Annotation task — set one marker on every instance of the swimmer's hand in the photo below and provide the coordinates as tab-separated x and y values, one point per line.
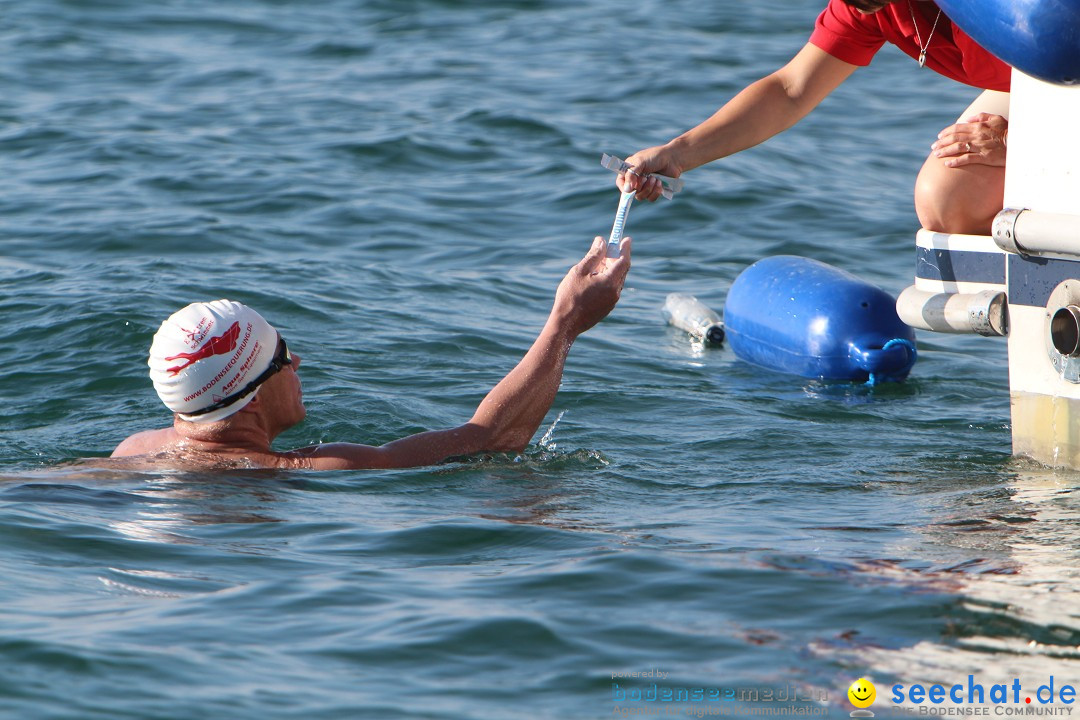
979	141
660	159
591	288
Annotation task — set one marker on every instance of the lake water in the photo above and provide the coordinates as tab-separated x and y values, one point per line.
398	186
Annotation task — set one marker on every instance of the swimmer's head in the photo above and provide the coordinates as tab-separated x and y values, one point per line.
205	356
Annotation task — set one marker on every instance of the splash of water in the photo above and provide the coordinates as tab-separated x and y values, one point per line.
545	442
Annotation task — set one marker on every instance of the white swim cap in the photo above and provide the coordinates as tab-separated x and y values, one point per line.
207	352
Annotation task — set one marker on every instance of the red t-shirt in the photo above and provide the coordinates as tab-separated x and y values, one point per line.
846	34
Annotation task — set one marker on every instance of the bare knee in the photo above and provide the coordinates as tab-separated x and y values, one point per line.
959	200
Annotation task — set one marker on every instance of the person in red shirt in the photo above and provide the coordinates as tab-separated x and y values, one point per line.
961	185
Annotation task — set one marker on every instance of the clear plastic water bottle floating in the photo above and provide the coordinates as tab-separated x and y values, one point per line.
688	313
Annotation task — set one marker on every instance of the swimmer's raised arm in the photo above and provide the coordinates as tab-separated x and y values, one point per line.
508	417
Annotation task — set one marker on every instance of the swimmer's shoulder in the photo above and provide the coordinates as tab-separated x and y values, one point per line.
147	441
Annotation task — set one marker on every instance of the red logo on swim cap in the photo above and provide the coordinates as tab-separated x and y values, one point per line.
223	343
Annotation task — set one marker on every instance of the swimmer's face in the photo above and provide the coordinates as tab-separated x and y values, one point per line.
862	693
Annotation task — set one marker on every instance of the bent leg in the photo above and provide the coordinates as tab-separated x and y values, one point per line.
963	199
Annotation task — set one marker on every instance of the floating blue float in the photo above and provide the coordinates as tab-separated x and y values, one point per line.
801	316
1038	37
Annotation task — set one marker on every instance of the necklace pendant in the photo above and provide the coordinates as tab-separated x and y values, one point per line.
922	59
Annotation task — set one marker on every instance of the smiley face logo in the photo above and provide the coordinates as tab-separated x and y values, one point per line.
862	693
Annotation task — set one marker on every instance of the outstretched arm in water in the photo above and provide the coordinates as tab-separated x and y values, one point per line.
509	415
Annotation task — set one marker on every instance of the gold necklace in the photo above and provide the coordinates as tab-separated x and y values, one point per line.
918	36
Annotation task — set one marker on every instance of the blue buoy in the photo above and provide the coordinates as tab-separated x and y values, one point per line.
1037	37
801	316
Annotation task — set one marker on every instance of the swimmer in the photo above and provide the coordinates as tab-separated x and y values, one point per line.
231	381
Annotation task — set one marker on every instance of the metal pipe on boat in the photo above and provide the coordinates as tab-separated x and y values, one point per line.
1065	330
985	313
1029	232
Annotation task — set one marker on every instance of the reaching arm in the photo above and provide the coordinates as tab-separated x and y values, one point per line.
509	415
765	108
